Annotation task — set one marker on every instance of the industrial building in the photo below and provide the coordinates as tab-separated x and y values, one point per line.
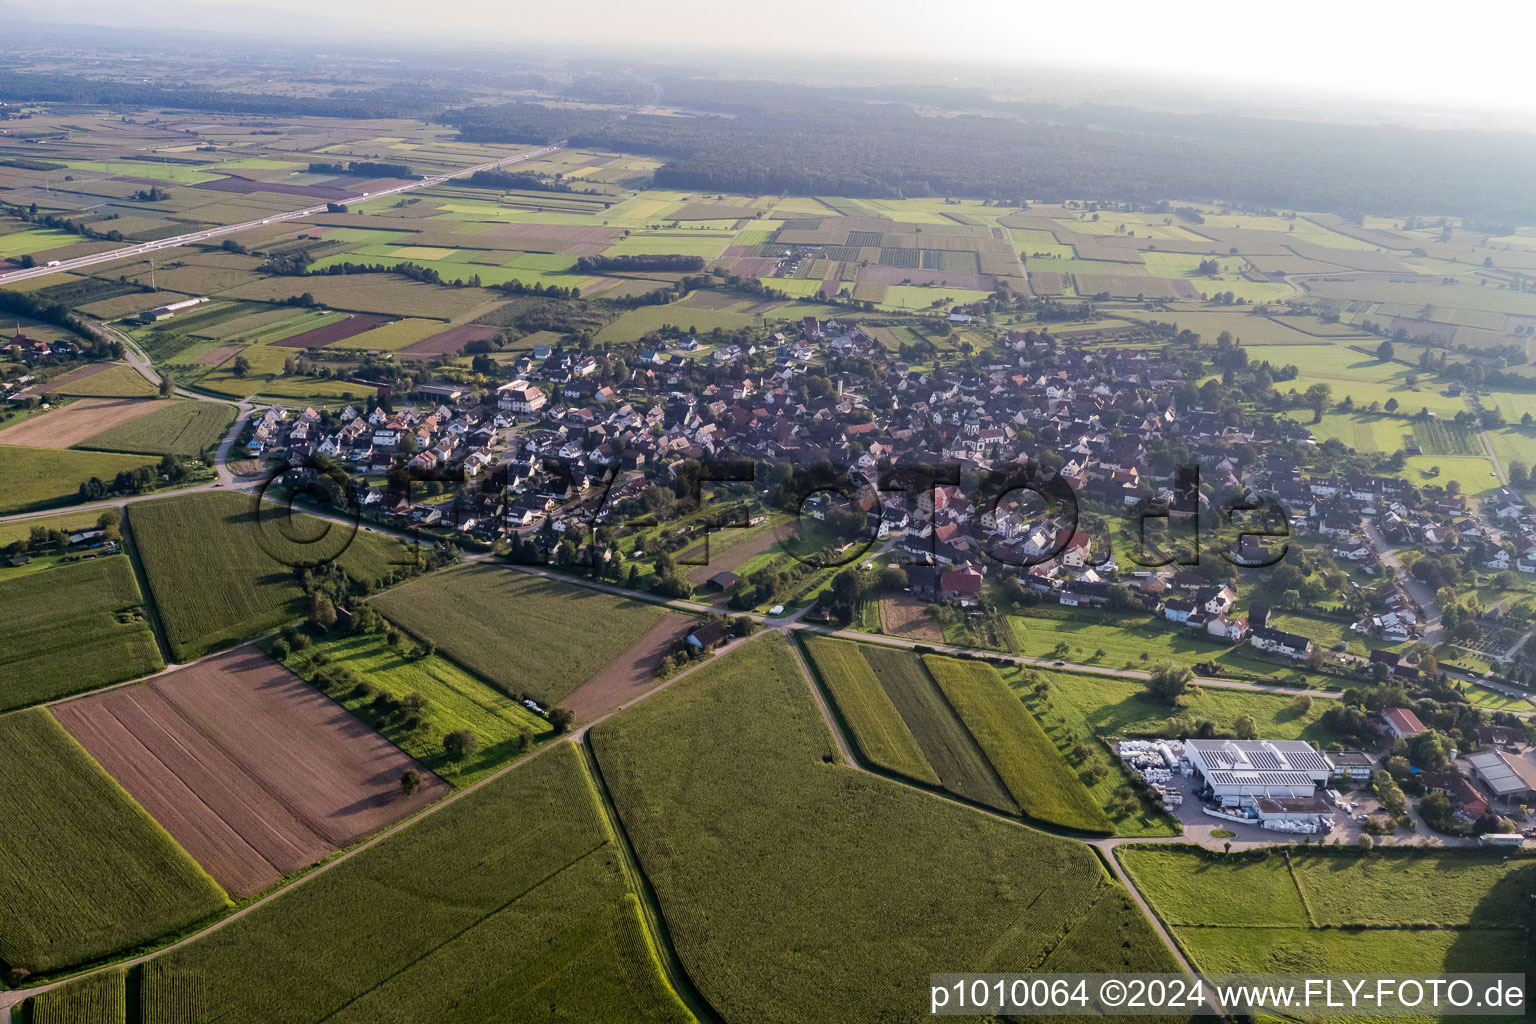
1271	776
1355	765
1507	776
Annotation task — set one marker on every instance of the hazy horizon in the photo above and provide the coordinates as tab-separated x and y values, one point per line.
1365	50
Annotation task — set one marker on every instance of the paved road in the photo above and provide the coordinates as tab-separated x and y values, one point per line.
1434	632
207	234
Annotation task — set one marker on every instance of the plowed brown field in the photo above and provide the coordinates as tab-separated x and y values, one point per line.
253	772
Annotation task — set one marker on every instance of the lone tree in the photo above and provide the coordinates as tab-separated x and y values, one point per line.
321	611
561	718
410	781
1384	351
459	744
1170	681
242	366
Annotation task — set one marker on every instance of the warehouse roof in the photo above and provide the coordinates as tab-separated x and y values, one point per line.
1506	775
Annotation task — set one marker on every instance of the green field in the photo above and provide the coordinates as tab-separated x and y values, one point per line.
72	628
180	428
65	522
1363	378
34	240
455	700
524	634
1038	779
637	323
113	382
955	755
220	574
510	905
84	872
1093	705
39	478
99	999
766	850
877	728
1119	641
1393	911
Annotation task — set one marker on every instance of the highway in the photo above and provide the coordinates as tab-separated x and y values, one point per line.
145	248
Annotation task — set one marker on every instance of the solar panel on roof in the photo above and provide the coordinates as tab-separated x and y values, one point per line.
1307	760
1263	759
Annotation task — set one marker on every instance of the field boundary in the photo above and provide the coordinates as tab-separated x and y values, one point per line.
657	934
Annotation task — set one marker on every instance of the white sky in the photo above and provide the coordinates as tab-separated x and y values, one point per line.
1472	52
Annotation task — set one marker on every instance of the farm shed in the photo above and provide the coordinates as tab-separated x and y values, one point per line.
1402	723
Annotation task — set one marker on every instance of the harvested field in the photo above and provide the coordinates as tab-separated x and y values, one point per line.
905	615
73	423
84	872
237	184
331	333
216	355
255	773
630	674
449	341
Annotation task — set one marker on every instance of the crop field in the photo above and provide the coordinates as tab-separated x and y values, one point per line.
72	424
524	634
39	478
877	727
112	878
71	628
369	293
99	999
1040	781
455	700
774	862
1437	438
112	382
331	333
181	428
255	773
961	765
1341	909
459	919
639	322
221	573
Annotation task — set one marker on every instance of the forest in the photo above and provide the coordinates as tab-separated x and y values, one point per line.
795	139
